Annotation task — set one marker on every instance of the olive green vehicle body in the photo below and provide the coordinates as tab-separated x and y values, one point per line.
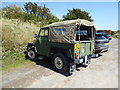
71	40
47	48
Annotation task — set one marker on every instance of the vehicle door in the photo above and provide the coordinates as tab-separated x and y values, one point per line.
43	43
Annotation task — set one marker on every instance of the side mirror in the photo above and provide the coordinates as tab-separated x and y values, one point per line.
35	35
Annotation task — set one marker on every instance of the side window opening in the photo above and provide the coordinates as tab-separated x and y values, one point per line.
44	32
60	31
84	32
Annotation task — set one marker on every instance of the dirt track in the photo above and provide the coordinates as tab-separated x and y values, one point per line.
101	73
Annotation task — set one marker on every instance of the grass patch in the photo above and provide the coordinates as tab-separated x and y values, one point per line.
13	59
116	36
15	36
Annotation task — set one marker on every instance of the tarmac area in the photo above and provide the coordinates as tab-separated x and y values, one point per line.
101	73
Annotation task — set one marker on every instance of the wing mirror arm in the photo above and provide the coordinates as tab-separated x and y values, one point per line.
35	35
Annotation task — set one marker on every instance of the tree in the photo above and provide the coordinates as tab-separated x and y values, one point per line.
39	11
34	8
28	7
77	13
30	13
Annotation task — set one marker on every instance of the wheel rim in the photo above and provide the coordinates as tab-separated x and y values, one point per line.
31	54
58	63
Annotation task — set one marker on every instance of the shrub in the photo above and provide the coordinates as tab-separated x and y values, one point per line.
16	34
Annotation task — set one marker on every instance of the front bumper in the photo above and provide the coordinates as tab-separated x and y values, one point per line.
97	50
101	49
104	50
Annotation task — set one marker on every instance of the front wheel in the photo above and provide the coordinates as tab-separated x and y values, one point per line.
60	63
31	54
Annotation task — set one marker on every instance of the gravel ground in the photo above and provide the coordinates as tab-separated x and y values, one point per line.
101	73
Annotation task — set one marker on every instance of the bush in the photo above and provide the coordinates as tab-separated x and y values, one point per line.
16	34
116	34
35	13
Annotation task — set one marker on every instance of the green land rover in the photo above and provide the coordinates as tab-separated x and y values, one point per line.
68	43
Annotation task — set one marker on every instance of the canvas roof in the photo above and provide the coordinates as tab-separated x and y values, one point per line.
69	22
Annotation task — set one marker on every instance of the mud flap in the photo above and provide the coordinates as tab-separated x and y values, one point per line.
86	60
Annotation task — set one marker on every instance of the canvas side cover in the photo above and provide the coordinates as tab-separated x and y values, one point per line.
62	34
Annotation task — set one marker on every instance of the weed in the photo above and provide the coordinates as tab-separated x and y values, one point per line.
13	59
15	36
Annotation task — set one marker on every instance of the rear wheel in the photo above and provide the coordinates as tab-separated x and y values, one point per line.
60	63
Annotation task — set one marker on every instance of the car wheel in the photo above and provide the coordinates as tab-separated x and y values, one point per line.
84	65
96	55
60	63
31	54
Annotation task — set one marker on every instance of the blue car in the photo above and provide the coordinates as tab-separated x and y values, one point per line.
108	36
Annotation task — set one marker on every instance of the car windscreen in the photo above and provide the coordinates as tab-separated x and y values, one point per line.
99	34
100	37
109	35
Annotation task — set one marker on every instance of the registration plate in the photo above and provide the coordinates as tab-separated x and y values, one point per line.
76	47
105	43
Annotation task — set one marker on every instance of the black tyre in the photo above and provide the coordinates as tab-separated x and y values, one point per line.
60	63
85	66
31	54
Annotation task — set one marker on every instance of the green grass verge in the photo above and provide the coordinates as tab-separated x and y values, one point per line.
116	36
13	59
15	36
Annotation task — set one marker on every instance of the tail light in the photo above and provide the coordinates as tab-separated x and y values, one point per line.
76	55
93	50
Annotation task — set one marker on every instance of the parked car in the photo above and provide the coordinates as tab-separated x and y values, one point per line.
109	32
108	36
62	42
101	44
